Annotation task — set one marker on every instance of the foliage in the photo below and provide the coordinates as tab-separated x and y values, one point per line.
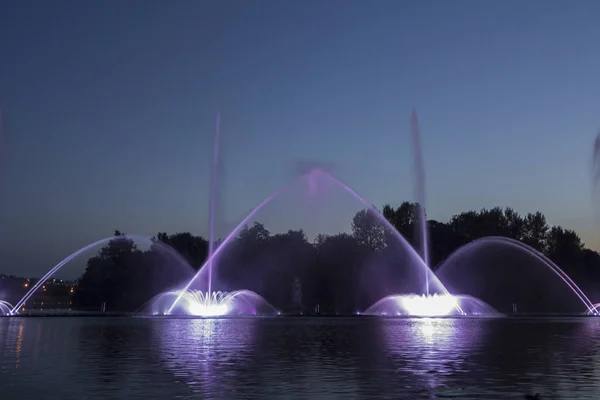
334	269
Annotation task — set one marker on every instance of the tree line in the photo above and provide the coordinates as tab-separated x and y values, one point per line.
341	273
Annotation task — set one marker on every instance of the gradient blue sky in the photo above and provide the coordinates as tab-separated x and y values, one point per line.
109	109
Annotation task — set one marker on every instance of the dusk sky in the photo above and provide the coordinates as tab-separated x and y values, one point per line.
109	110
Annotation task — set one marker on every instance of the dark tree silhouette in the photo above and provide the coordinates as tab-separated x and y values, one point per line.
335	270
368	230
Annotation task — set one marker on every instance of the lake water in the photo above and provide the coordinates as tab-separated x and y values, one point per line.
151	358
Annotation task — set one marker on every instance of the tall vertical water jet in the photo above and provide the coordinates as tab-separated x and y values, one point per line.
213	191
422	232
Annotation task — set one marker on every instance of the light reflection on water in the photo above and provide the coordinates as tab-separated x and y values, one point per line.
97	358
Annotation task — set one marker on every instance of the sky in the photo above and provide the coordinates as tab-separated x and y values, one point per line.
109	109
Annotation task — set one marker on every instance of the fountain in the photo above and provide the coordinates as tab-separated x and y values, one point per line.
214	303
501	278
217	304
427	304
431	298
5	308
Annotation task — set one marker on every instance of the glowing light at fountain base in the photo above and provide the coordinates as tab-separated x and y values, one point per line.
595	310
210	305
205	305
5	308
436	305
429	306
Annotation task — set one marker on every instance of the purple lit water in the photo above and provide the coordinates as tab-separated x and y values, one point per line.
257	358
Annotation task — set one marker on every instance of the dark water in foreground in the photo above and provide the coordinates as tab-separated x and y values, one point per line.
129	358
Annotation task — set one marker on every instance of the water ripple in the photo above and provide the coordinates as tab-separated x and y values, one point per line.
253	358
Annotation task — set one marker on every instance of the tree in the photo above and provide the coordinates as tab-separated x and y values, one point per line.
194	249
340	272
467	224
515	224
535	231
256	233
368	231
563	246
110	276
403	218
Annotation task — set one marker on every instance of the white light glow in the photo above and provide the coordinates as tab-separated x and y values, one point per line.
437	305
207	310
204	304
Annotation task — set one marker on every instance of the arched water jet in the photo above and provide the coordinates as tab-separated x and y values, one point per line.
440	304
526	250
144	239
5	308
414	255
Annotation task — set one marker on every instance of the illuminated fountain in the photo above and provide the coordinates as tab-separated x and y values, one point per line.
5	308
443	302
430	303
434	305
198	303
427	297
213	303
209	303
454	271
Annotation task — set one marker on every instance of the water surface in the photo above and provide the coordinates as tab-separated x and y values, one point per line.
152	358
